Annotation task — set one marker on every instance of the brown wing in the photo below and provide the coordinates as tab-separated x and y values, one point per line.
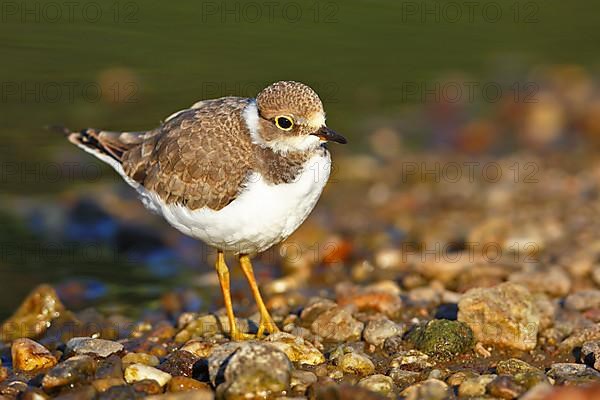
200	157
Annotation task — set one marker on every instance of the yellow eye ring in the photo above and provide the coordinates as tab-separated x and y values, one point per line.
284	122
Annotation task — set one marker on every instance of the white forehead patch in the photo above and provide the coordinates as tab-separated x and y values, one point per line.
316	120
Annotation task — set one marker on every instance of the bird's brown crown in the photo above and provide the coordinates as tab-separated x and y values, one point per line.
289	97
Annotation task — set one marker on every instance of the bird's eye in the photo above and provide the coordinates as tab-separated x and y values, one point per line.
284	123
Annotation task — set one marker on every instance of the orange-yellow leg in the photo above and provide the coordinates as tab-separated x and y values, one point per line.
266	322
223	273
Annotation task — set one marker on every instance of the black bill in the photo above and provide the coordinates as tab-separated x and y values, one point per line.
330	135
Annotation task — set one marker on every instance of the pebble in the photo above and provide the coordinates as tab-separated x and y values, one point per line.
403	378
411	359
583	300
111	367
34	316
140	358
179	363
205	394
475	386
504	315
378	330
301	380
147	386
571	372
504	387
29	356
296	348
69	372
378	383
555	282
338	325
381	298
139	372
185	384
249	369
356	363
429	389
590	353
92	346
198	348
442	338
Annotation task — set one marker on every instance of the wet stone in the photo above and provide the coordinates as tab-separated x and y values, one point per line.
12	389
140	372
394	345
331	391
249	368
111	367
442	339
475	385
74	370
205	394
574	373
430	389
86	392
523	373
590	353
504	387
296	348
337	324
403	378
124	392
185	384
504	315
147	386
92	346
379	298
301	380
198	348
103	384
378	383
179	363
34	315
411	359
583	300
378	330
356	363
29	356
140	358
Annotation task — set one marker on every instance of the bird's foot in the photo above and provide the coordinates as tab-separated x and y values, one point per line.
238	336
266	325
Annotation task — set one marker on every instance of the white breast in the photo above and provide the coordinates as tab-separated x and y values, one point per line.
262	215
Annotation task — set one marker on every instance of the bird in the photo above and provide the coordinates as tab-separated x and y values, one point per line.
240	174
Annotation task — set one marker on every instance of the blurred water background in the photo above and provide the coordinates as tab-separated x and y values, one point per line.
466	79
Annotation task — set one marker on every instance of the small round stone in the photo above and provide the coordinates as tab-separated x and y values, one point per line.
356	363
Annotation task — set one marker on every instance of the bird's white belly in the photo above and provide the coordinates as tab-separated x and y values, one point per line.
263	215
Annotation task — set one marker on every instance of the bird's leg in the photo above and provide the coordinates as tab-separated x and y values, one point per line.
223	273
266	322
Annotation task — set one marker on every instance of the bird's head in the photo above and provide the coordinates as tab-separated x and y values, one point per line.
289	117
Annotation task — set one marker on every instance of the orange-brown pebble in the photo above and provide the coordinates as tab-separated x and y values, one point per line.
102	385
28	355
148	386
185	384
